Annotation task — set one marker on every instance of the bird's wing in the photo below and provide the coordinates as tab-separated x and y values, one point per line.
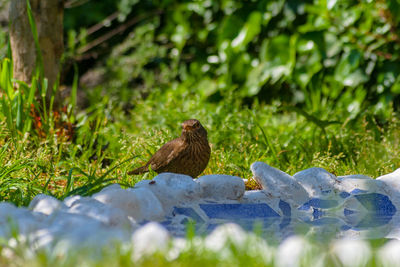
166	154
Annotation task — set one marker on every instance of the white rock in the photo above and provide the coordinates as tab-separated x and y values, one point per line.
261	196
111	187
352	252
171	189
139	203
63	220
221	187
7	209
223	235
361	183
95	209
317	181
389	255
354	176
279	184
20	219
74	232
392	180
256	196
148	239
69	201
291	251
45	204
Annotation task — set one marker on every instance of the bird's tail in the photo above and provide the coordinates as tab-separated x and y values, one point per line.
139	170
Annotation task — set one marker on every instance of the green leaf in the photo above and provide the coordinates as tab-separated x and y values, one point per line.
7	112
348	72
19	117
124	8
74	91
308	62
249	31
278	57
330	4
229	28
396	86
182	29
5	79
32	91
207	87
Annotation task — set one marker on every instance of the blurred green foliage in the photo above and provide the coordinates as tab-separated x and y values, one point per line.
329	57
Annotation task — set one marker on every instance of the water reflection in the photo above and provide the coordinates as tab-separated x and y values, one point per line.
364	215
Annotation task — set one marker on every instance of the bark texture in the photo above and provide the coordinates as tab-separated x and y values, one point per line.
48	16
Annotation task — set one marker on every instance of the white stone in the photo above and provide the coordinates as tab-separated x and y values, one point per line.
255	196
392	180
75	231
221	187
20	219
317	181
391	186
354	176
138	203
389	255
351	252
69	201
261	196
95	209
171	189
7	209
393	227
148	239
63	220
360	182
279	184
80	223
111	187
45	204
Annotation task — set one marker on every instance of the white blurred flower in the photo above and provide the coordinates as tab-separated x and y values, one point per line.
389	254
149	239
352	252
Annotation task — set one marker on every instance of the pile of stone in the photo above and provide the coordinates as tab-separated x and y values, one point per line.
354	205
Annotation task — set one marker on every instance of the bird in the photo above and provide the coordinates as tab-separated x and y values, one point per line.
188	154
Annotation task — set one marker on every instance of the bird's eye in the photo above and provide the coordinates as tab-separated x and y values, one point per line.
197	124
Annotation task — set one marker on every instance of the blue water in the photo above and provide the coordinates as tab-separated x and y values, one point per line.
323	218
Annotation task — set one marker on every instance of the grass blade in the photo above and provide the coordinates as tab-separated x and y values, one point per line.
74	92
116	166
7	112
19	117
266	137
5	79
39	57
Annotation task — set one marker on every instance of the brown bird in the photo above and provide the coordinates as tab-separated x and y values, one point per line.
188	154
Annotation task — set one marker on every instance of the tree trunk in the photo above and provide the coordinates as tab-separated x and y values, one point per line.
48	15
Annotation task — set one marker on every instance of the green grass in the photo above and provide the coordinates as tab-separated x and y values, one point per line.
107	143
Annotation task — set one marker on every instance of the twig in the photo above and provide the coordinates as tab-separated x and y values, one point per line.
115	31
75	3
102	24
